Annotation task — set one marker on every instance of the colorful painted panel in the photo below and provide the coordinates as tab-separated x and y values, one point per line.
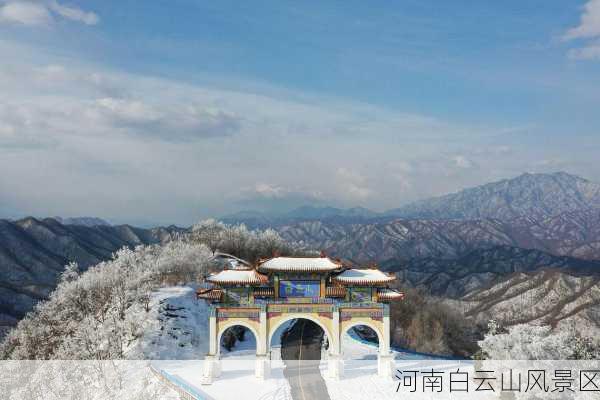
238	295
297	288
360	295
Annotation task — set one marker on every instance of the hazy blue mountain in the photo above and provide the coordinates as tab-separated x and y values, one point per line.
310	212
529	195
257	219
84	221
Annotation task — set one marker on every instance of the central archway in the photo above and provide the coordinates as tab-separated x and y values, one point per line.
280	325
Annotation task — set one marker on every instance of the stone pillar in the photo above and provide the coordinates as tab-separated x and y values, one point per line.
262	341
212	329
384	347
335	346
335	363
385	366
263	365
335	367
211	369
262	369
385	359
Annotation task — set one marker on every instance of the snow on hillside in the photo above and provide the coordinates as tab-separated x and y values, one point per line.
545	297
176	327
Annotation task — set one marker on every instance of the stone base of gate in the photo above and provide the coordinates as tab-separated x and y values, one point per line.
211	369
335	367
385	365
263	367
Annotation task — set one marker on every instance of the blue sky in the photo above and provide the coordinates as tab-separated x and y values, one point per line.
179	110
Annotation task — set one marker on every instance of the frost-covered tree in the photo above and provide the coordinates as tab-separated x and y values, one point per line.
96	315
70	273
237	240
99	313
531	342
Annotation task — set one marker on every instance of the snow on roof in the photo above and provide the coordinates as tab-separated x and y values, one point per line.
209	294
304	264
389	294
236	276
363	276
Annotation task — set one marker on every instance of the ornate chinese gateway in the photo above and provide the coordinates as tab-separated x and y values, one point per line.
275	291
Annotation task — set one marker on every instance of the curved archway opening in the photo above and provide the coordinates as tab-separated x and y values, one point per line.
237	341
298	339
360	342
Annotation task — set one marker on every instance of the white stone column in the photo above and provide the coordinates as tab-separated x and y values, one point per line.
262	368
385	359
385	366
210	370
213	339
335	345
262	342
384	347
335	363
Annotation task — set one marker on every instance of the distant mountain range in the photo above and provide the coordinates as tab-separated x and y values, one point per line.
451	245
34	252
535	196
261	220
84	221
575	234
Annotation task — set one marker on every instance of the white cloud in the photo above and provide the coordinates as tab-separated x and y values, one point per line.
462	162
171	122
127	111
42	13
353	183
26	13
589	52
589	26
270	190
74	13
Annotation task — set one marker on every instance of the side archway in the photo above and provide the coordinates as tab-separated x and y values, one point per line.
346	331
225	326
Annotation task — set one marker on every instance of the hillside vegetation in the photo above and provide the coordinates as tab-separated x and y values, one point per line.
100	313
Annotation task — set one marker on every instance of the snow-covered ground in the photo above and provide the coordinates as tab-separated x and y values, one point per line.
176	337
175	329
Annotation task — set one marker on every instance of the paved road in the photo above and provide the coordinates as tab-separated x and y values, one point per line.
301	353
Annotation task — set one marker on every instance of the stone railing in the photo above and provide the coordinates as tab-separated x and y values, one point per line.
184	390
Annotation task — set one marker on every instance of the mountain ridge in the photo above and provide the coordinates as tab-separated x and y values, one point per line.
534	195
33	253
539	195
575	234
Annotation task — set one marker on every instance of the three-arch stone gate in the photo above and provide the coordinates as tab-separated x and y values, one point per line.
263	320
320	289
